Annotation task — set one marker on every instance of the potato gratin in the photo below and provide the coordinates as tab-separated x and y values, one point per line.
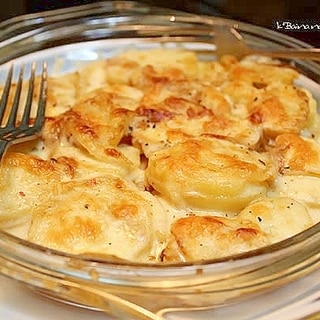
155	156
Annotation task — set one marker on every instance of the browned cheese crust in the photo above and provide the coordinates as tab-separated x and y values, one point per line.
156	156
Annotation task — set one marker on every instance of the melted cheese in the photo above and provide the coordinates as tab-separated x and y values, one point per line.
26	180
297	155
263	222
155	156
209	237
209	173
101	215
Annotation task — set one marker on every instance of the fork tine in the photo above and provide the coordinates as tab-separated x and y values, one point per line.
42	97
229	42
15	131
15	105
28	104
5	94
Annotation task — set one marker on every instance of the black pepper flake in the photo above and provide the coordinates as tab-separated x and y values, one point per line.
86	206
259	219
261	161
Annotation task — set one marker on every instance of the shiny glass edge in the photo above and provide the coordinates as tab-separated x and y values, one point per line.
246	273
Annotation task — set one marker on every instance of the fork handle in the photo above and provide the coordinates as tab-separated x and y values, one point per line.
3	147
309	54
104	301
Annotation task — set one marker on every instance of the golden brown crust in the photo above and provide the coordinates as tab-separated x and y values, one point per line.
297	155
26	181
207	237
285	109
101	215
154	155
280	218
95	120
209	173
259	224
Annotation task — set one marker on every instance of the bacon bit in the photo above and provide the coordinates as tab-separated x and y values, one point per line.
22	194
155	115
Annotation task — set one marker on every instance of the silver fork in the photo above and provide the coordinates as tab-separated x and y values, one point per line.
14	129
229	41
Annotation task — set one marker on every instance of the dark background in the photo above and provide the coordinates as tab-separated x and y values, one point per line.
263	13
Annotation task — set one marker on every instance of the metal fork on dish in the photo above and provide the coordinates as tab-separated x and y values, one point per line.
14	128
229	41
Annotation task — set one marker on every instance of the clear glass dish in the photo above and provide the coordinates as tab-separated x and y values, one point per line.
100	30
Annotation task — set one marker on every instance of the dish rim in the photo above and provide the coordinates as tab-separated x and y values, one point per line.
42	254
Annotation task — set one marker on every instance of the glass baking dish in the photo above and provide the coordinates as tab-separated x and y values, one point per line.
82	34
